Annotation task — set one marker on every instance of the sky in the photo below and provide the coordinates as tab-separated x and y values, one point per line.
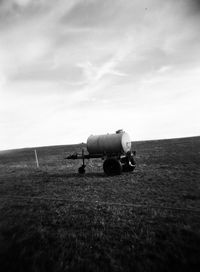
69	69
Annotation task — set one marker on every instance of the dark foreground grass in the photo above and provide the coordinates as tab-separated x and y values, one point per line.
81	231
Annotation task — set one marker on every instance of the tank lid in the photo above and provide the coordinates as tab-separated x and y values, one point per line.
119	131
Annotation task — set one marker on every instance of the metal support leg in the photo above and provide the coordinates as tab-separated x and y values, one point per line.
81	169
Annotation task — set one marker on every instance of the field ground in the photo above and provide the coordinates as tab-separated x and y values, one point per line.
52	219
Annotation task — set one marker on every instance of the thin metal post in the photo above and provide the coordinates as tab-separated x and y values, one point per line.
36	159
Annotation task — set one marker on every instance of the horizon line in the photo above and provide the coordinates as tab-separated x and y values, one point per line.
53	145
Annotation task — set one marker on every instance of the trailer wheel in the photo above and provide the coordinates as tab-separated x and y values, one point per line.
112	166
81	170
133	162
128	164
128	167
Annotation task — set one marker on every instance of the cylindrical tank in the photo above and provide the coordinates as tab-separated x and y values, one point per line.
116	143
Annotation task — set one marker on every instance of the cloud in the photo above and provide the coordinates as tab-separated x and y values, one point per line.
80	58
50	46
91	13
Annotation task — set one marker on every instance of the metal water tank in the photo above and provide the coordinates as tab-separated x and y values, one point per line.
116	143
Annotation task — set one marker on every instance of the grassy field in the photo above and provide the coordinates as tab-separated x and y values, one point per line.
53	219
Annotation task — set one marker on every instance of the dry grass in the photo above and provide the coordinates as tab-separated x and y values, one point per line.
85	232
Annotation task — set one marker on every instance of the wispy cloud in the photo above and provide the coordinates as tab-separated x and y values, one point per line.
64	60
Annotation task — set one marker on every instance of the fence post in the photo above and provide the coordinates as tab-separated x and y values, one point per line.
36	159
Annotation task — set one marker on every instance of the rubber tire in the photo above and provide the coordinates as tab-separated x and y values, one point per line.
128	168
133	162
129	164
81	170
112	166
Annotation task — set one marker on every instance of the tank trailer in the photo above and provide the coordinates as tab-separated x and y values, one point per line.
114	149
